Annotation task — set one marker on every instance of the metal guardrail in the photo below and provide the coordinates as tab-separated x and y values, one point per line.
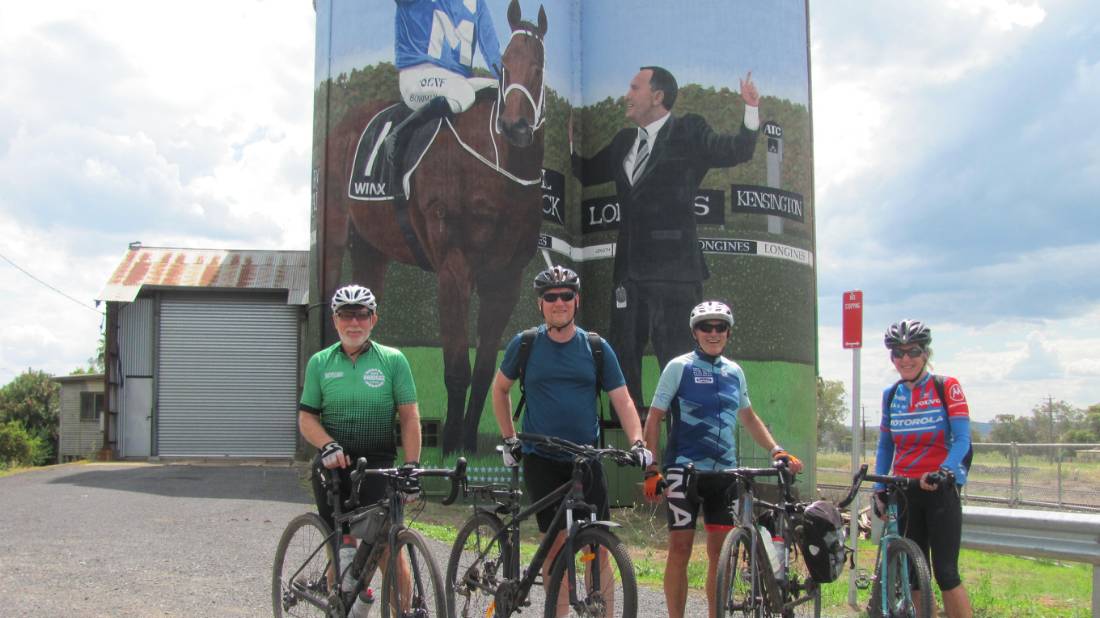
1042	534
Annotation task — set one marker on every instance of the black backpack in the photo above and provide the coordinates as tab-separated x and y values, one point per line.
937	381
527	339
821	539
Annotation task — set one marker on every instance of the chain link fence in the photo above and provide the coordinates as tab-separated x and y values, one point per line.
1059	476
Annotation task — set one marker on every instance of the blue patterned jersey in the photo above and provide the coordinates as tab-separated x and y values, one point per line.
702	399
445	33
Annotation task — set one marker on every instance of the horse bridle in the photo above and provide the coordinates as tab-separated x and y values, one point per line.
504	90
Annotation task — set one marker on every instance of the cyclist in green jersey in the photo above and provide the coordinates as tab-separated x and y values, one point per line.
352	393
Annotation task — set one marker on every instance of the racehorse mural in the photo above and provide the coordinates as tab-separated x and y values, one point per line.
471	215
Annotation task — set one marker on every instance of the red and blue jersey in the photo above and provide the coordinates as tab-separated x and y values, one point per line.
919	433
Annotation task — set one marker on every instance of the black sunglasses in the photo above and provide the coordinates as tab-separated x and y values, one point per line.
552	297
911	352
348	316
720	327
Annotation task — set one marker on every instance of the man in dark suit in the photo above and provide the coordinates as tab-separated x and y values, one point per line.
657	168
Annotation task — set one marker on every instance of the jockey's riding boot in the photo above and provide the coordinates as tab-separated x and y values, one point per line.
395	141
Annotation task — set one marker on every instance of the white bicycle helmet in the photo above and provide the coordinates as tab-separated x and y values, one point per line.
711	310
353	295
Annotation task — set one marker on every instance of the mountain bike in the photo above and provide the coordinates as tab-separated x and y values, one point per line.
906	570
749	582
308	576
483	574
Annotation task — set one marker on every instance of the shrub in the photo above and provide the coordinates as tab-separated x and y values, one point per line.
18	447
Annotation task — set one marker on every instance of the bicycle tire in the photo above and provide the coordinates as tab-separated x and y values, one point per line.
297	557
477	547
734	596
899	602
587	545
425	598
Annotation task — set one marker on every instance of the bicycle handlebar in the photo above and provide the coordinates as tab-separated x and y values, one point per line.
457	475
900	482
779	469
619	456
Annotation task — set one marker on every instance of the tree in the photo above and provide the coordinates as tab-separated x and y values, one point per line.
34	400
831	431
1010	428
97	363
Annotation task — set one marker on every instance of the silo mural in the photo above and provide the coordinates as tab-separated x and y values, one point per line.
446	181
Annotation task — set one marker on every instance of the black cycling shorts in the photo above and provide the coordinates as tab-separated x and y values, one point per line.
371	490
543	475
933	520
715	494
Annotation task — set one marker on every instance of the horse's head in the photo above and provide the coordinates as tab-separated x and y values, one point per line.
522	84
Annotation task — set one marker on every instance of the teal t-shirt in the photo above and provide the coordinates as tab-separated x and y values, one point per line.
561	386
357	401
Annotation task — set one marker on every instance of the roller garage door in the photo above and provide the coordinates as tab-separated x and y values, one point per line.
227	376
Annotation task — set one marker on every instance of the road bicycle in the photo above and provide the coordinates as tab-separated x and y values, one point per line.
483	574
749	582
308	578
892	586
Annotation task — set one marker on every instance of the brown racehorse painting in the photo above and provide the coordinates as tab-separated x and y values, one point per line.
475	218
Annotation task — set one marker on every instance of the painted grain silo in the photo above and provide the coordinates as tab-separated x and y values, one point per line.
661	150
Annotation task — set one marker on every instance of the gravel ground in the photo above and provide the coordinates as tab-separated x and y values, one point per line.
158	540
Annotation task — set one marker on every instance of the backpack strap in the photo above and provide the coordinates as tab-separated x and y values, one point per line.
526	339
938	380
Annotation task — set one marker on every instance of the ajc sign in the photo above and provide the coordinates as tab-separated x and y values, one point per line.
853	319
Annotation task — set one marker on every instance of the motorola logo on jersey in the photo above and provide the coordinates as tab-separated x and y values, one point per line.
955	393
920	421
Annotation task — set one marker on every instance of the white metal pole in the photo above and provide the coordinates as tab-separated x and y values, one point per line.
857	454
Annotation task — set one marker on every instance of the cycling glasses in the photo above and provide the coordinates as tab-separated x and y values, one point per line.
911	352
719	327
552	297
348	316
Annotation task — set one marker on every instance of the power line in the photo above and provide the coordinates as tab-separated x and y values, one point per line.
24	271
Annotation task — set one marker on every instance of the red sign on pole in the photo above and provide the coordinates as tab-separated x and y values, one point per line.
853	319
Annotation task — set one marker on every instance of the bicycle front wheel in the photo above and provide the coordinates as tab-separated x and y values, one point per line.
745	583
606	584
905	566
302	580
413	587
476	567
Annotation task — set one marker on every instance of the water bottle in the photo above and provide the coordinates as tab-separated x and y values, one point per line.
347	555
780	565
364	602
770	550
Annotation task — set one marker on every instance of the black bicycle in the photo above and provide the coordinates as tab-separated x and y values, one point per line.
756	565
892	587
483	573
308	576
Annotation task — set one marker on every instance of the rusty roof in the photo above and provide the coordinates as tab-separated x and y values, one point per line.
209	268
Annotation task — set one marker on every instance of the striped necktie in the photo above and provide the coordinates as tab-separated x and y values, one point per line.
642	156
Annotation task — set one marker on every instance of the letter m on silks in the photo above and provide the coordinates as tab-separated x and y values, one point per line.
461	37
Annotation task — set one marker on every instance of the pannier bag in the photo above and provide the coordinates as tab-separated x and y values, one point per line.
821	539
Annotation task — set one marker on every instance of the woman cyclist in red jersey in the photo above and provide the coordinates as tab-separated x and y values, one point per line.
925	435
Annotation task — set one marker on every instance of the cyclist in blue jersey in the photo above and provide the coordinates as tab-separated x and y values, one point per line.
560	378
434	46
705	396
925	431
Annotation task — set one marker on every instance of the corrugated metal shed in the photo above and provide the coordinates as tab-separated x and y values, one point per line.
209	268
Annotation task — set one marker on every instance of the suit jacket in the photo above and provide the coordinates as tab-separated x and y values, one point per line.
657	239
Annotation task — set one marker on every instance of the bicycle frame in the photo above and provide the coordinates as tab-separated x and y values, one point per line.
571	494
890	531
369	554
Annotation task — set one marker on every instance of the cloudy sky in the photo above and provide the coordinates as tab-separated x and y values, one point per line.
956	144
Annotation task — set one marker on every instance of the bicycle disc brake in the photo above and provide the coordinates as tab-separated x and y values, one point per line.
505	598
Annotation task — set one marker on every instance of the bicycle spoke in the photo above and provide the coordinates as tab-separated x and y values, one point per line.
303	577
